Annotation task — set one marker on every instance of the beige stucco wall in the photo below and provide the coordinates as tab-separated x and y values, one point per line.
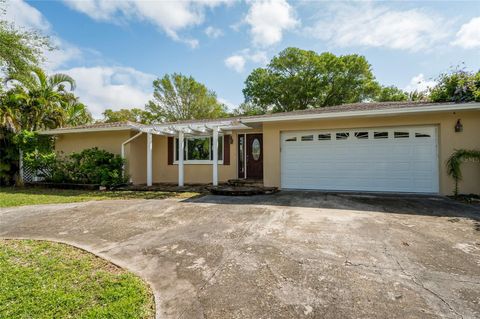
448	142
110	141
164	173
194	173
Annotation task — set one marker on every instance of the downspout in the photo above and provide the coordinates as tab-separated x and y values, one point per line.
123	148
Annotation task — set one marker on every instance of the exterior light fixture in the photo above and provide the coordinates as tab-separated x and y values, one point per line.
458	126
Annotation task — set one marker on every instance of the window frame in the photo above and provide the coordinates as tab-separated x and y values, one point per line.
209	161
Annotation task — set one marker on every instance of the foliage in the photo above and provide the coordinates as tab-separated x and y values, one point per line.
15	196
35	102
457	86
391	94
8	157
178	97
123	115
455	161
39	101
246	109
297	79
41	279
418	96
20	50
90	166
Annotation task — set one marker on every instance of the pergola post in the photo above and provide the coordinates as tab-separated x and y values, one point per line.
181	144
215	157
149	159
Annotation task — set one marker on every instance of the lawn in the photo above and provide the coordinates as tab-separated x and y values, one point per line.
41	279
10	196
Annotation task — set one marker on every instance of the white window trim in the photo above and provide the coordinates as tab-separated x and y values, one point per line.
197	162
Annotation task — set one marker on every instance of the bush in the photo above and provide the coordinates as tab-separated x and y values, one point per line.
458	86
90	166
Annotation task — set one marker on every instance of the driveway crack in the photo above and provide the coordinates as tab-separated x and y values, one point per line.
420	284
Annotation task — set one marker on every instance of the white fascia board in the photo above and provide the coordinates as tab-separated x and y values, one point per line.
370	113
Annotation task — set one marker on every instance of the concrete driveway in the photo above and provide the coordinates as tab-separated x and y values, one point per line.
289	255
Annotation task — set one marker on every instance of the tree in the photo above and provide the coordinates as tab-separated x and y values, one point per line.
247	109
298	79
178	97
43	102
457	86
20	50
391	94
76	113
122	115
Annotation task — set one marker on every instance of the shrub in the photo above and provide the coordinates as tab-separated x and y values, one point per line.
90	166
455	161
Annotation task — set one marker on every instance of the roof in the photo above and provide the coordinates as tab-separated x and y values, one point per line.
115	126
338	111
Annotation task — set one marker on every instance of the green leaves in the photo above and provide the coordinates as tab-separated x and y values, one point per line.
457	86
298	79
455	161
123	115
178	97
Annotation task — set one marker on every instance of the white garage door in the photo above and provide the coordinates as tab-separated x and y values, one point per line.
402	159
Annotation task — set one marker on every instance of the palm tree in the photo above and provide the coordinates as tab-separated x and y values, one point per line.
76	112
41	98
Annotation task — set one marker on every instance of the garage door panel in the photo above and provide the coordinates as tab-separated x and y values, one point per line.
407	164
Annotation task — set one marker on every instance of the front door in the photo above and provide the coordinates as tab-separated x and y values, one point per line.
254	143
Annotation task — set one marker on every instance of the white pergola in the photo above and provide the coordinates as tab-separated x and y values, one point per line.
181	131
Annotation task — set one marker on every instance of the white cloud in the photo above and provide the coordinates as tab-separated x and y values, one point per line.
419	83
104	87
169	16
268	19
230	105
25	16
213	32
468	37
236	63
372	25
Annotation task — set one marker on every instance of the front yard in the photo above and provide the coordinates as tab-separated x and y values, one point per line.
40	279
14	196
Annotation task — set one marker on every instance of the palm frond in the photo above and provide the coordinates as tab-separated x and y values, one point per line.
455	161
59	78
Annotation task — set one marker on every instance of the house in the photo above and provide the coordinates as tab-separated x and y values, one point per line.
380	147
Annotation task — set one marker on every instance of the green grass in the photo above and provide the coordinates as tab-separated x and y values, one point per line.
41	279
10	196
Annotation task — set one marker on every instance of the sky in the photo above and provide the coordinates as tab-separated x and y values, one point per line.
115	49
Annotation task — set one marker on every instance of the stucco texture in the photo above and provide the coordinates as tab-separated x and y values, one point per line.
136	152
448	142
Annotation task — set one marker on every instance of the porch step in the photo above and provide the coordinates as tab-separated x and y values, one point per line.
229	190
245	182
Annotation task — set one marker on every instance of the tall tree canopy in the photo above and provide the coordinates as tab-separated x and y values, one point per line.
20	50
297	79
38	101
178	97
457	86
391	94
122	115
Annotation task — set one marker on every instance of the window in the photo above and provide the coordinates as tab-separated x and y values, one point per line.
199	149
324	137
342	136
401	135
422	135
307	138
291	139
361	135
380	135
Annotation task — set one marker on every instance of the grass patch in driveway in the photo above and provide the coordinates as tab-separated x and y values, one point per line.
41	279
15	196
